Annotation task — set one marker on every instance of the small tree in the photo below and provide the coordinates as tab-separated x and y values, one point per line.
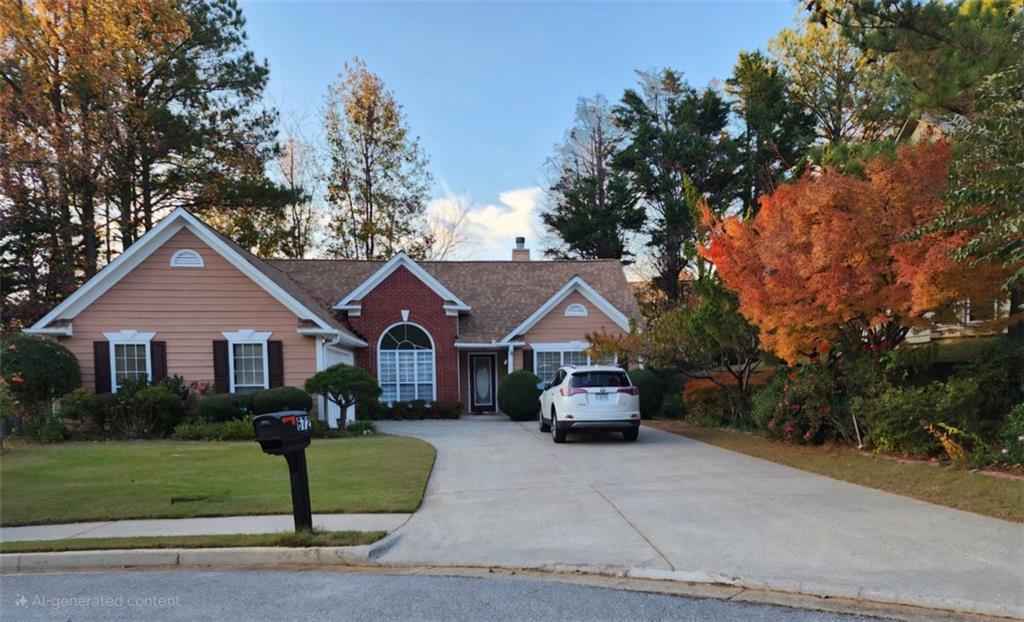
344	385
37	371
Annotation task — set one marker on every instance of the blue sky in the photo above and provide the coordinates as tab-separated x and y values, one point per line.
490	88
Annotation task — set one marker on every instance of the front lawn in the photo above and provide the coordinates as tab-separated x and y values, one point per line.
294	540
955	488
91	481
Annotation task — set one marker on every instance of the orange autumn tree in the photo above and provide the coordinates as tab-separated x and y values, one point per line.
831	260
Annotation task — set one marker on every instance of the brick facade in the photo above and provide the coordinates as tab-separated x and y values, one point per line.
383	307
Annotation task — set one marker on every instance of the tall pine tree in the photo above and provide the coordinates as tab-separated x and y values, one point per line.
591	207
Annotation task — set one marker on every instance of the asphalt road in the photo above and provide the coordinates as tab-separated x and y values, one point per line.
322	595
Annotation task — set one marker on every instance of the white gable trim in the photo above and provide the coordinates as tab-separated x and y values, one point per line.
352	302
156	237
575	284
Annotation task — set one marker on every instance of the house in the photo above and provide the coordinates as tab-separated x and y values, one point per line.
184	300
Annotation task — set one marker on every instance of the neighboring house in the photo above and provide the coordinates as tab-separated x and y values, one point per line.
184	300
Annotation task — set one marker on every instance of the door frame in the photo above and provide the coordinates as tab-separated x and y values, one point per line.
493	407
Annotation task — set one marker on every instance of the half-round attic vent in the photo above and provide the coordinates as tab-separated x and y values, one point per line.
576	310
186	258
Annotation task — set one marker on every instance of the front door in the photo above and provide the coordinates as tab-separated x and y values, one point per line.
481	383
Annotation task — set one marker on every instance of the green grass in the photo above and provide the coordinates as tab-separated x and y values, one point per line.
294	540
83	481
951	487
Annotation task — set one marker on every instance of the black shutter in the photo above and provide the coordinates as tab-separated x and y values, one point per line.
101	364
528	359
220	367
275	363
158	360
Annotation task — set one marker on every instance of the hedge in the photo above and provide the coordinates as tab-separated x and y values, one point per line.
652	391
281	399
518	395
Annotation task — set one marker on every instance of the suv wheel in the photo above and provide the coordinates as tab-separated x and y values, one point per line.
631	434
557	433
544	425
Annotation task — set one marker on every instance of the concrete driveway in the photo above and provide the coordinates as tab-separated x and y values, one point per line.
503	494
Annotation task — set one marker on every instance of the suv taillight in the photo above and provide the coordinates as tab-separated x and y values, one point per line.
567	391
630	390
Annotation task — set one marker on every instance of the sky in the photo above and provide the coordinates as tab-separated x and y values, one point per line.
490	88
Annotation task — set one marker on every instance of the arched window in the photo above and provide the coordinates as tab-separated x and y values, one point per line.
405	364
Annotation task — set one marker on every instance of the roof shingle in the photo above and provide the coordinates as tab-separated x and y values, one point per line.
501	294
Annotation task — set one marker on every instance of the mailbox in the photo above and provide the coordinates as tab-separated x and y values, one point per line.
282	433
287	434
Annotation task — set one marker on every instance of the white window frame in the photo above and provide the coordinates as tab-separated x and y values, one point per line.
128	337
191	255
247	336
562	348
576	310
415	369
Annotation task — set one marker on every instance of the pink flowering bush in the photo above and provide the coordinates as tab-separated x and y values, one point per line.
1010	447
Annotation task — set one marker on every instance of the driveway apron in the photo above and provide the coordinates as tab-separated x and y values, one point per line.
503	494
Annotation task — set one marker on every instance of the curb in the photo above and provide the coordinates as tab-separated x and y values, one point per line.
364	555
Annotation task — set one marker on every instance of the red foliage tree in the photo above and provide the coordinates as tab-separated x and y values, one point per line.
832	260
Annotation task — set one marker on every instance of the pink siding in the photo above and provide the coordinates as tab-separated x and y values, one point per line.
555	327
190	308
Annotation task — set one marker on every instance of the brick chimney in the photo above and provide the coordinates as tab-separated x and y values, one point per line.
520	252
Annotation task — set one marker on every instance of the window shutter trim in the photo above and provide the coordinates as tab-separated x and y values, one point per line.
275	363
220	366
528	359
101	363
158	360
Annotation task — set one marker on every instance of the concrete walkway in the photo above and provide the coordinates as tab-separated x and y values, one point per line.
503	494
201	526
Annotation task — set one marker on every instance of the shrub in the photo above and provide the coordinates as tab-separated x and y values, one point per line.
236	430
37	371
652	391
146	412
518	395
913	420
803	413
707	406
280	399
79	405
416	409
1010	448
361	428
225	407
48	431
672	407
765	400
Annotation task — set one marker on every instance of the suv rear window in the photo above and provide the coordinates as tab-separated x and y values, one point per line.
595	379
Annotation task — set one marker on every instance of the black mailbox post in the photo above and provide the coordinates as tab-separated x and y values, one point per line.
287	434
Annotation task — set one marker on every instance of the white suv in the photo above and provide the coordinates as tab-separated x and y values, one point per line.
591	397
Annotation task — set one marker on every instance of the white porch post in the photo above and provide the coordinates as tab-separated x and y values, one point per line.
511	349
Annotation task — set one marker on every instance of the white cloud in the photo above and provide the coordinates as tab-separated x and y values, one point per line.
491	228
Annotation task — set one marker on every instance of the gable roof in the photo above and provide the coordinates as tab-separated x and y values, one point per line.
275	283
502	294
575	284
351	301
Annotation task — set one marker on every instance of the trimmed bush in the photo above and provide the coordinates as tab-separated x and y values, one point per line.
237	430
225	407
280	399
652	391
37	371
518	396
150	411
414	410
